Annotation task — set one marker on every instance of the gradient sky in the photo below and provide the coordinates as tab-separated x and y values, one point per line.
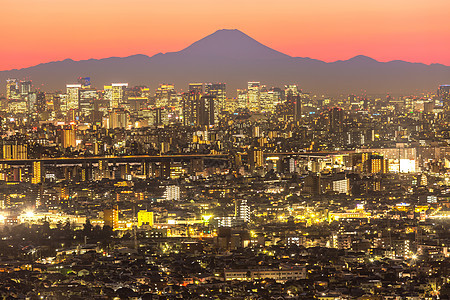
37	31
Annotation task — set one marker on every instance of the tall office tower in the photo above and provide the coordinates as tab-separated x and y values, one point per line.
335	119
190	107
12	89
68	137
242	99
25	87
111	217
198	110
276	95
206	108
41	102
265	99
63	102
86	104
37	173
444	95
73	96
253	94
85	82
270	98
196	87
14	149
114	93
165	95
293	102
218	91
294	108
31	100
159	116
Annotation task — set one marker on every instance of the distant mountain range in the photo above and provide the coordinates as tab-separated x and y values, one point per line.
233	57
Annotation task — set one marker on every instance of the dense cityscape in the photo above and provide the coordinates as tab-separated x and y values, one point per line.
122	192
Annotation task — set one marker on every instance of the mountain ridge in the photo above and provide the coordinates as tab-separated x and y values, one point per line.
231	56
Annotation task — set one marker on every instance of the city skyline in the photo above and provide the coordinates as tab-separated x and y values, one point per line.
234	57
405	30
300	152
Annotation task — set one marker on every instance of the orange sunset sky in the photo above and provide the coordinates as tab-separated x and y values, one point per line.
37	31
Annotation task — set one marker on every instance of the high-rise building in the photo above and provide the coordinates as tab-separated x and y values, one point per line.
31	101
68	137
218	92
242	210
117	118
114	93
206	108
73	96
341	186
444	95
172	192
190	106
376	164
111	217
196	87
25	87
12	89
199	110
37	173
242	99
165	95
291	90
86	103
253	94
335	119
256	158
293	106
14	149
41	102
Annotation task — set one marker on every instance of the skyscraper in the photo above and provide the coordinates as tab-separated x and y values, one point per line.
190	106
165	95
114	93
111	217
86	103
68	138
253	94
117	118
41	103
207	111
242	99
25	87
218	91
12	89
335	119
444	95
37	173
196	87
73	96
